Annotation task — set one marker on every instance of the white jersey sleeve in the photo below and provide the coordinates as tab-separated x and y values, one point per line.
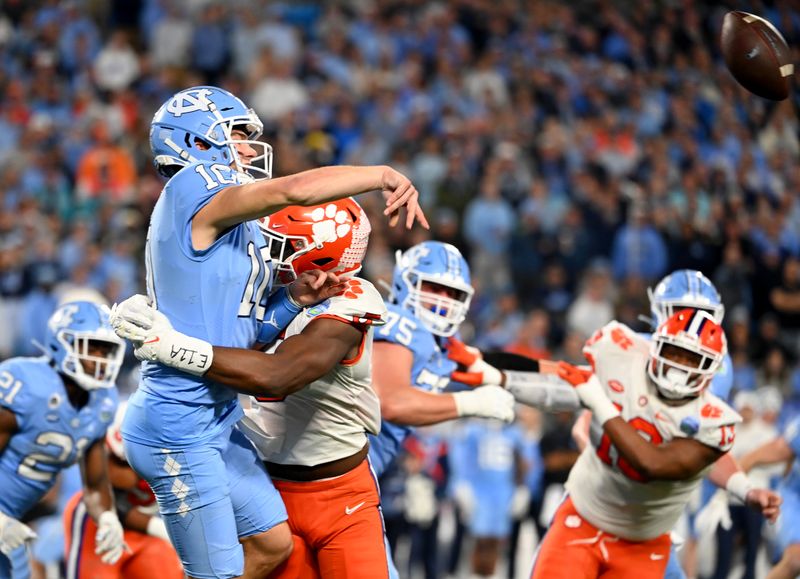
328	419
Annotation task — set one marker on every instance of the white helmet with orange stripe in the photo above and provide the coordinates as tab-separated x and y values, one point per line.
685	353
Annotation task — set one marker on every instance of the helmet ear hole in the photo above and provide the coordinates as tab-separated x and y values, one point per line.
322	262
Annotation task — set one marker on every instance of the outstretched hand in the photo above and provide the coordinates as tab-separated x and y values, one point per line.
765	501
400	192
315	286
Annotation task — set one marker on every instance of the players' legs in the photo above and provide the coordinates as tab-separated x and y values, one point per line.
301	563
150	557
193	488
641	559
569	548
484	555
258	507
340	519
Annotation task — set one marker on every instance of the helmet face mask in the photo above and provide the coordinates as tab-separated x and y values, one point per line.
198	124
685	288
432	280
81	344
685	353
331	237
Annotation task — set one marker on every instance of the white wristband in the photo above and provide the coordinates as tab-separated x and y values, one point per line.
739	485
466	403
594	398
190	355
157	528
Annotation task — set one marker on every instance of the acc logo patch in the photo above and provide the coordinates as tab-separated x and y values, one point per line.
318	309
690	425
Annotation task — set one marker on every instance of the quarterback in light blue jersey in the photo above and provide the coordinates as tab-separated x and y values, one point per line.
209	273
54	412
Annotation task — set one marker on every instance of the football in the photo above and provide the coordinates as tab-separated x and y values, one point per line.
757	55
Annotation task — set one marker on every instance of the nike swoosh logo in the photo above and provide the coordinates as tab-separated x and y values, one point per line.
656	557
351	510
153	341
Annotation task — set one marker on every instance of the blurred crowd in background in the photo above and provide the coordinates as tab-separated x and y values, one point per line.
575	152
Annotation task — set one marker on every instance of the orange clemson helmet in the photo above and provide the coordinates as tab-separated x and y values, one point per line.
330	237
685	353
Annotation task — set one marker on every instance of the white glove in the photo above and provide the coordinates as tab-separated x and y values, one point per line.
520	501
155	340
714	514
486	402
110	538
464	497
13	534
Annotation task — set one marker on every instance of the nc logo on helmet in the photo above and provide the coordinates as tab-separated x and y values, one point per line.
62	318
190	101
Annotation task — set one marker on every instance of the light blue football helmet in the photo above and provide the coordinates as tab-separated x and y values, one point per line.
70	330
685	288
436	263
208	114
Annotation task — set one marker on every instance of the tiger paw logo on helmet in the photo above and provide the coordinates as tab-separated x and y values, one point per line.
329	223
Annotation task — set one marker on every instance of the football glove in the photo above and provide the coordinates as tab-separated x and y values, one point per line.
590	391
13	534
476	371
110	538
486	402
155	340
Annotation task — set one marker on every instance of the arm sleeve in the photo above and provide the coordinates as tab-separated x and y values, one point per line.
545	391
279	314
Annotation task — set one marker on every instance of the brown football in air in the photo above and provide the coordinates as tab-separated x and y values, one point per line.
757	55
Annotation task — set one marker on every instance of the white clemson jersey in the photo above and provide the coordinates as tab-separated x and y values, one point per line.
328	419
605	489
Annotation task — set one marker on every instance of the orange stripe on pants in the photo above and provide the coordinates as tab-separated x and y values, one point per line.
574	549
149	557
337	524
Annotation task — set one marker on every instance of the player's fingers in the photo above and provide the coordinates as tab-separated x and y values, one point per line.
420	217
394	219
399	198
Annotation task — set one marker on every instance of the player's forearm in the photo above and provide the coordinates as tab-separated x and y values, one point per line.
310	187
97	494
723	469
258	374
773	452
413	407
651	461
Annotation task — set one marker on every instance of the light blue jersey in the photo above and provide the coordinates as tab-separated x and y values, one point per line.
51	435
484	457
430	371
217	294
